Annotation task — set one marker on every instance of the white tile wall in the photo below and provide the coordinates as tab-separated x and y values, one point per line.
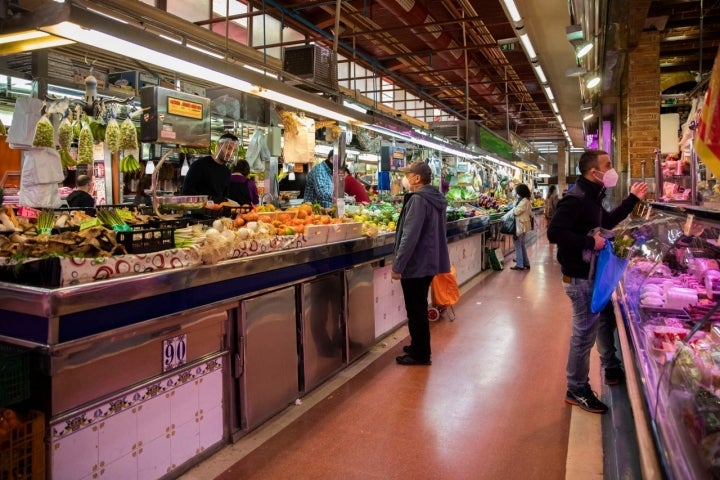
389	304
143	434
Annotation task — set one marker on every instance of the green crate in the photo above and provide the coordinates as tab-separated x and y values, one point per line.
14	374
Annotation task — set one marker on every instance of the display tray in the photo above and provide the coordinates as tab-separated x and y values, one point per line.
668	312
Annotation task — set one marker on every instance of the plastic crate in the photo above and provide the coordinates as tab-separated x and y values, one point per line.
147	240
22	450
14	374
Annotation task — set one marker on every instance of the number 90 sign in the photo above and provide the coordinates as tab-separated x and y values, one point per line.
174	352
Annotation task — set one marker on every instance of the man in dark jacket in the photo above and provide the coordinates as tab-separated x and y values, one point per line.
578	213
210	175
421	252
81	198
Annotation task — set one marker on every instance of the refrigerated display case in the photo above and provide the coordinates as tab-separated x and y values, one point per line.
669	299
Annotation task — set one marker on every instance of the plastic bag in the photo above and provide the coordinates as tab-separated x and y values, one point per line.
41	173
26	114
44	133
608	272
495	257
257	152
508	225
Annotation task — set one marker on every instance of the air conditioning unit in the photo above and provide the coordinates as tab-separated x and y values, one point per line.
450	130
315	65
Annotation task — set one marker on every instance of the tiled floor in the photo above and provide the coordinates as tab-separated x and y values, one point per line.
490	406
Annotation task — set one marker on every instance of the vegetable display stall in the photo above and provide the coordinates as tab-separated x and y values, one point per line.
180	346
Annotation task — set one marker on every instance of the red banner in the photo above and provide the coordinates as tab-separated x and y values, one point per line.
707	140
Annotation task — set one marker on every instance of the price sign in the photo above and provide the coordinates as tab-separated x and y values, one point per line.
174	352
28	212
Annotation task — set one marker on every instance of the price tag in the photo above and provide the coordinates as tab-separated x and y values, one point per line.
124	214
27	212
93	222
688	224
174	352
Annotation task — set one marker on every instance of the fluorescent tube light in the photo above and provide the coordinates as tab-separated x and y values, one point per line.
528	46
94	37
554	107
548	92
512	10
540	73
355	106
588	116
20	36
205	52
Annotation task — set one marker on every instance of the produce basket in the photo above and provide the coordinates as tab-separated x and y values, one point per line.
147	240
22	449
14	374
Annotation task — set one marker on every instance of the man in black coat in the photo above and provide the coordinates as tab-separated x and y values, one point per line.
578	213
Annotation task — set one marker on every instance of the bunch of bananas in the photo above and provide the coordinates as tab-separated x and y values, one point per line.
129	164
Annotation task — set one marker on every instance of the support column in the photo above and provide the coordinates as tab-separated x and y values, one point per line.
562	166
643	106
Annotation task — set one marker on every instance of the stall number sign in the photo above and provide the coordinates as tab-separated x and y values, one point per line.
174	352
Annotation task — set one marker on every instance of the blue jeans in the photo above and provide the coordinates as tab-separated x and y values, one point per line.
521	256
587	329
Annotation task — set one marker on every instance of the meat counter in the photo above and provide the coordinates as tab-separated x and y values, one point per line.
668	299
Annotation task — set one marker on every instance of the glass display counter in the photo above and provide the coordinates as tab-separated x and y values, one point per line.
669	298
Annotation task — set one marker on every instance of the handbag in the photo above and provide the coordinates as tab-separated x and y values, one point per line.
508	226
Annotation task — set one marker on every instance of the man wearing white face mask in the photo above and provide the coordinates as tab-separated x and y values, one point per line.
579	212
421	252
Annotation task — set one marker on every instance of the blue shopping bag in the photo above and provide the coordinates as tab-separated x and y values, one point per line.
608	272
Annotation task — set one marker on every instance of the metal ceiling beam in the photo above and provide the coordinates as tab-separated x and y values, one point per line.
370	61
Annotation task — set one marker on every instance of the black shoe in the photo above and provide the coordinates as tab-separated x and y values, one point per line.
586	399
614	376
517	268
410	360
527	268
408	349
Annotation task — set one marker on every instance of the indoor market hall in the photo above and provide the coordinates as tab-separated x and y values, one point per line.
491	405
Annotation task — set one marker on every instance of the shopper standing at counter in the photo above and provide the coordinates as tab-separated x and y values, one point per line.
81	198
522	211
319	186
421	252
574	229
354	188
210	175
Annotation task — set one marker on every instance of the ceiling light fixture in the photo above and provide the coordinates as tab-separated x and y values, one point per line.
588	116
512	10
583	49
540	73
592	82
528	46
548	92
73	23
